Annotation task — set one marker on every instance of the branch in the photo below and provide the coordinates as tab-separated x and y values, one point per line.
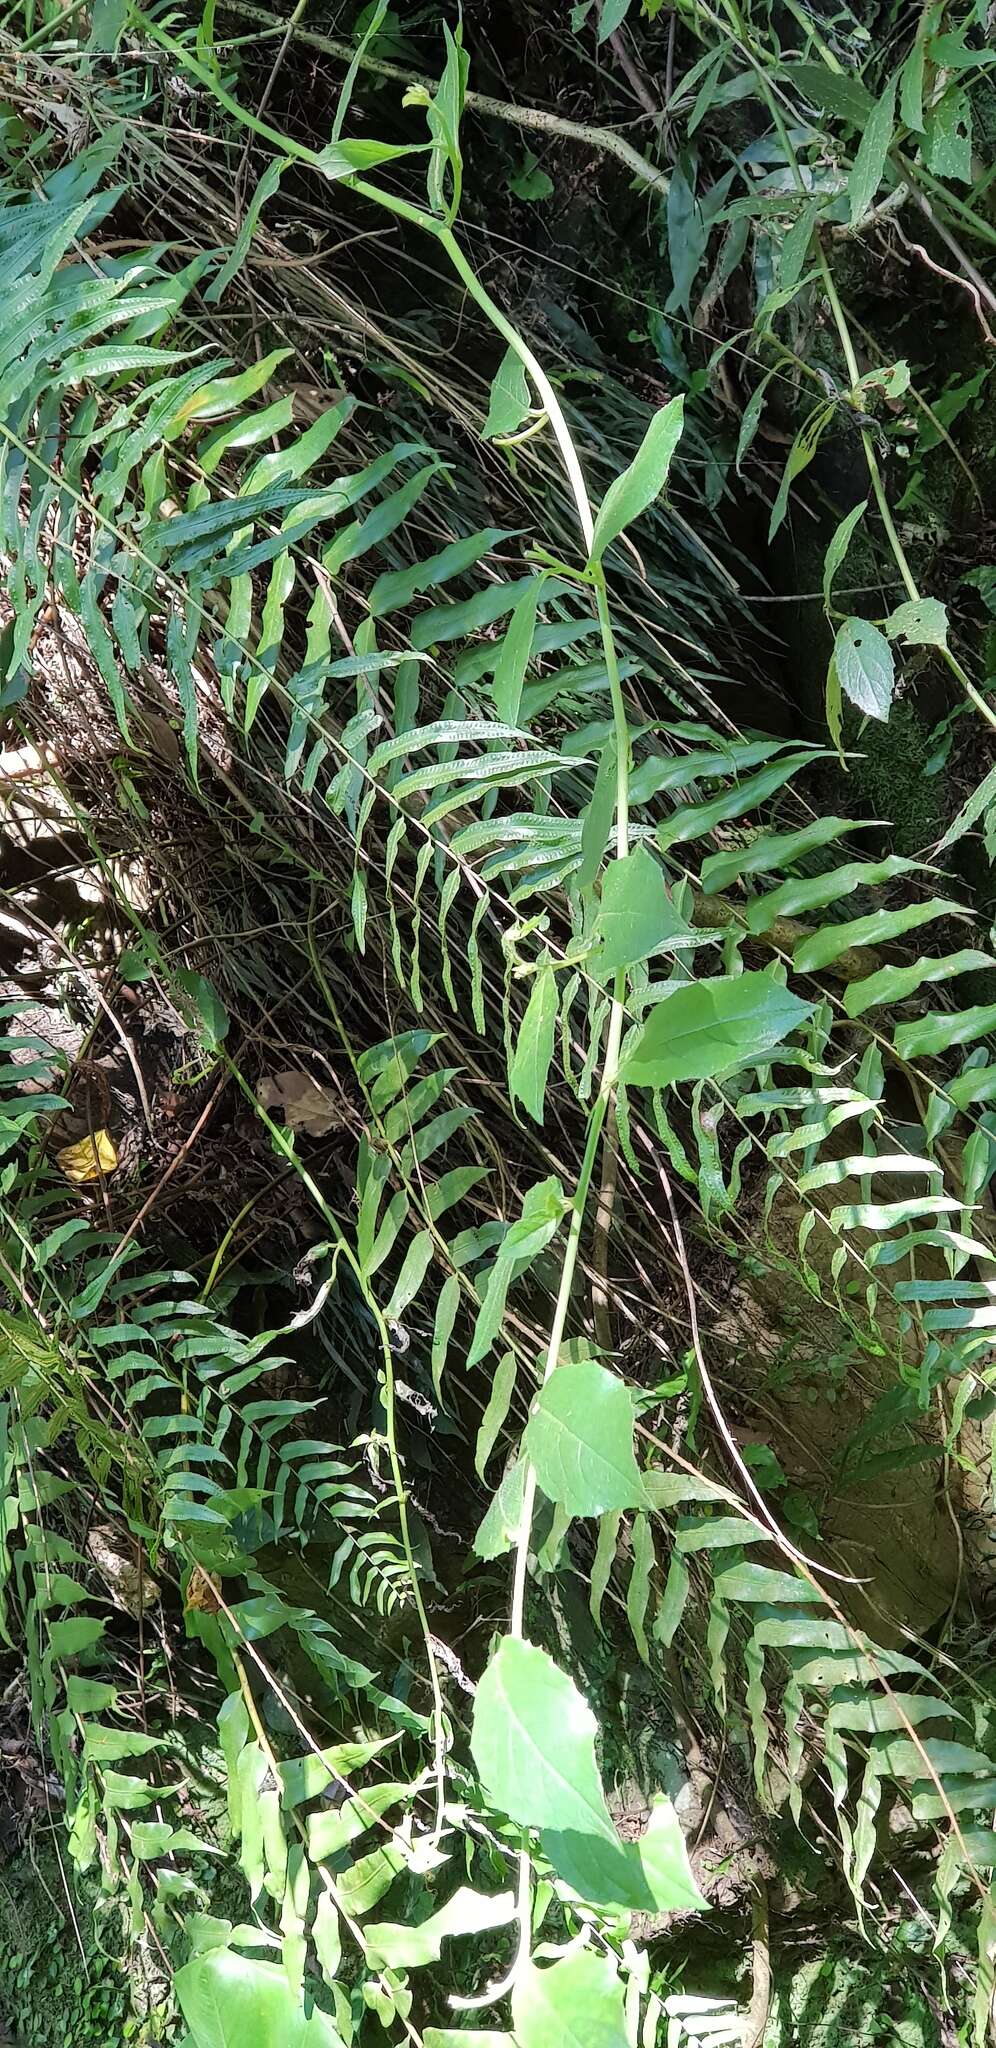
603	139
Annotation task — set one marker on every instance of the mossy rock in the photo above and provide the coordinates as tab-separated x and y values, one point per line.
889	779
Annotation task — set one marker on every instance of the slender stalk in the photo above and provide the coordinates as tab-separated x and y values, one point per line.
569	455
881	498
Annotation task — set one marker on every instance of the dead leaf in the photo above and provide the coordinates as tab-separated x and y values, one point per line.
90	1159
202	1592
118	1560
303	1103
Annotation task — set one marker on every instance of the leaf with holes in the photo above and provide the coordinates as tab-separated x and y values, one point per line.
865	669
921	623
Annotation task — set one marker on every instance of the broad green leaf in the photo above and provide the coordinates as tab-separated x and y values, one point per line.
814	892
947	143
209	1009
694	820
530	181
865	668
643	481
397	587
327	1937
225	394
579	1440
416	1265
873	149
762	1582
307	1777
229	2000
636	917
638	1590
576	2002
409	1947
510	398
870	1713
834	705
533	1742
533	1053
911	84
612	14
878	928
838	547
838	92
921	623
443	109
899	1756
351	159
332	1828
364	1882
601	1569
444	622
707	1027
773	850
67	1638
672	1607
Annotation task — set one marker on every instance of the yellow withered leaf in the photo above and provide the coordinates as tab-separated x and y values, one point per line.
89	1159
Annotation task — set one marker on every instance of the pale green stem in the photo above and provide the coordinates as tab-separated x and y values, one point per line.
569	456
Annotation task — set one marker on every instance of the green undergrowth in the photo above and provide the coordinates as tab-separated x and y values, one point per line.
503	1240
58	1987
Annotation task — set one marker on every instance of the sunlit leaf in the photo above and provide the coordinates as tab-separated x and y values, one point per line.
579	1438
577	2002
412	1946
533	1742
708	1027
228	2000
510	399
636	917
